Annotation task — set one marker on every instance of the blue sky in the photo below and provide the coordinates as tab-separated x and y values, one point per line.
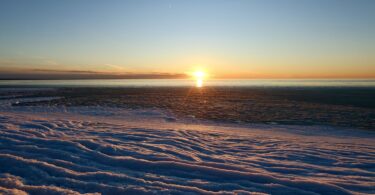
226	38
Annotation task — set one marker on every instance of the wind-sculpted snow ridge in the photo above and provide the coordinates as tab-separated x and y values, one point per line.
74	154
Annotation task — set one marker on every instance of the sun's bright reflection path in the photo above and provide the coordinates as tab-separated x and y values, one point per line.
199	83
199	76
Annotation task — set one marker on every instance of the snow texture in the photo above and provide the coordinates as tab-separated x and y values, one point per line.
145	152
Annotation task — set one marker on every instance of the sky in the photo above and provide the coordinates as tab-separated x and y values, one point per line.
172	38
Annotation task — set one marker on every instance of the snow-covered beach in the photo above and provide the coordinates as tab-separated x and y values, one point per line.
81	150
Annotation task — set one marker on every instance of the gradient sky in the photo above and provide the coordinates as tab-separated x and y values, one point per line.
226	38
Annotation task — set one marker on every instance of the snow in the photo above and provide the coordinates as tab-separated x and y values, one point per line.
115	151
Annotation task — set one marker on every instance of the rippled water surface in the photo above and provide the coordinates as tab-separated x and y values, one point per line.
187	82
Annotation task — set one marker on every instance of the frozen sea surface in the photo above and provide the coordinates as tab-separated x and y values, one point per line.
113	151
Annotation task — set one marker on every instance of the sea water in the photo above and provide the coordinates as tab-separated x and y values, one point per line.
190	82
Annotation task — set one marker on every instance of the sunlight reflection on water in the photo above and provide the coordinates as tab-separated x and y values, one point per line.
199	83
187	83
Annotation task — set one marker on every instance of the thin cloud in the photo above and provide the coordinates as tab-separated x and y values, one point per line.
115	67
50	74
63	71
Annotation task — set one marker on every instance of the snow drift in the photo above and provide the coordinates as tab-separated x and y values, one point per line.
140	153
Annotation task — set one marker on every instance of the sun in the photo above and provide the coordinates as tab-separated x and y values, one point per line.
199	74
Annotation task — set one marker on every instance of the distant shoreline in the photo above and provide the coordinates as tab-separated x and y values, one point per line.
61	83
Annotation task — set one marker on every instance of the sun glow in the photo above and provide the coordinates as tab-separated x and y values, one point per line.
199	76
